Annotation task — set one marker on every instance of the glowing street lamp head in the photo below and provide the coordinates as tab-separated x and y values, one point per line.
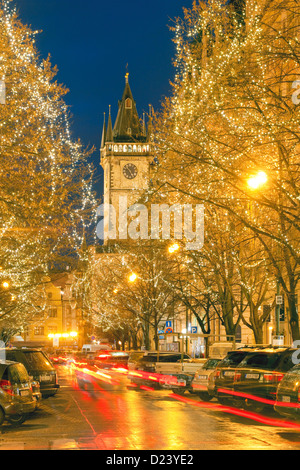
5	285
132	277
258	180
173	248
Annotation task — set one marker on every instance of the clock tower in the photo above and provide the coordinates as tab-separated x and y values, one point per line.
126	157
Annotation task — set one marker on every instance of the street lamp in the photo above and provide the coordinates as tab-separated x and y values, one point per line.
5	285
173	248
132	277
255	182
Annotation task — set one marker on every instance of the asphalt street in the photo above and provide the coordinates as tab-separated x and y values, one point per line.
115	418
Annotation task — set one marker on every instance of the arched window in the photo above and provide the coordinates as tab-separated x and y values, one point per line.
128	103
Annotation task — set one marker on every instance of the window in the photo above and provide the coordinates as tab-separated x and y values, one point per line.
211	364
18	374
128	103
233	358
52	312
263	360
52	330
37	360
38	331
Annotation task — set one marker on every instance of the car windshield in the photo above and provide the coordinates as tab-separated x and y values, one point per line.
261	361
36	360
135	356
292	376
233	359
163	357
211	364
18	374
149	358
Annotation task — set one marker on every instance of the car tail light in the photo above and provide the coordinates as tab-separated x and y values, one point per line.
6	386
273	377
237	376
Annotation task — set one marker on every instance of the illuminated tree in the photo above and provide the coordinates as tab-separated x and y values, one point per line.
232	115
131	289
45	180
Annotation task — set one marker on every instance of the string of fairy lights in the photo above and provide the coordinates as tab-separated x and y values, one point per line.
231	116
45	180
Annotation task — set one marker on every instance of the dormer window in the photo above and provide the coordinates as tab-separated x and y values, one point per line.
128	103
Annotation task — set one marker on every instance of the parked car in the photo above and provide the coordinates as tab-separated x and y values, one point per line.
16	398
38	366
258	375
199	384
223	376
288	394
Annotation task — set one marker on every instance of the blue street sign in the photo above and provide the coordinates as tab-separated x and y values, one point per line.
194	329
168	324
160	332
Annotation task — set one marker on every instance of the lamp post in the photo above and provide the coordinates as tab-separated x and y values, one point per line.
174	248
254	183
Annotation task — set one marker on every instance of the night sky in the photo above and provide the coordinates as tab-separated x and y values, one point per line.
92	41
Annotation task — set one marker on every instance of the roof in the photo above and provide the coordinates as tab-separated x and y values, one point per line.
128	126
4	364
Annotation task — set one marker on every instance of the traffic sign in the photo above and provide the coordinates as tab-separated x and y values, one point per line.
194	329
168	330
168	324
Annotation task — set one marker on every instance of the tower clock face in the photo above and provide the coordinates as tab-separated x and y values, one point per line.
130	171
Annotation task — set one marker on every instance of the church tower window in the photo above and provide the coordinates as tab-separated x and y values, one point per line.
128	104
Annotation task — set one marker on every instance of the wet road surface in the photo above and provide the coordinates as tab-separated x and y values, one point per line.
114	418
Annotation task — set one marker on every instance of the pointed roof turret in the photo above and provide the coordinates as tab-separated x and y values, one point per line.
109	134
127	127
103	139
150	129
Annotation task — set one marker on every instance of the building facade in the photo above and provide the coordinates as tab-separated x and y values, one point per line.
61	323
